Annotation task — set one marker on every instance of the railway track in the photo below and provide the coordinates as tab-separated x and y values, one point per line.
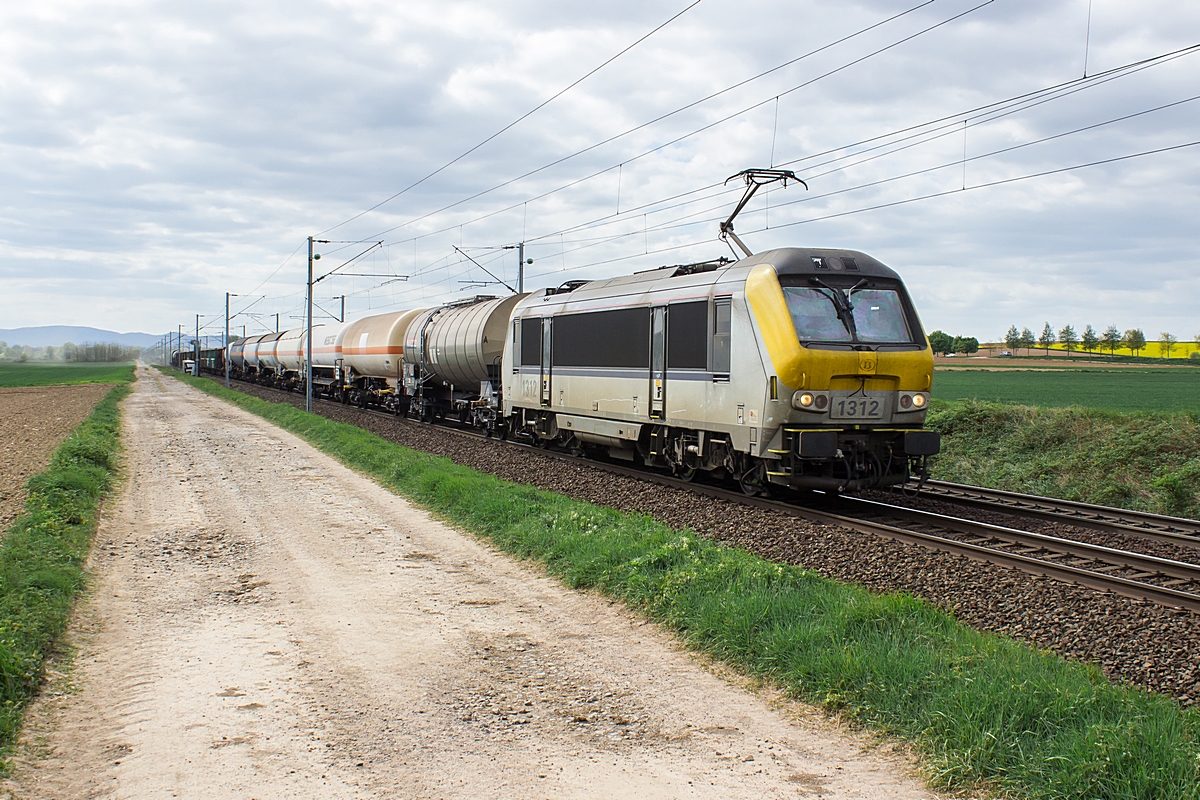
1175	530
1129	574
1135	575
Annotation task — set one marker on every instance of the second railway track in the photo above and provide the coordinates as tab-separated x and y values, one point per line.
1173	530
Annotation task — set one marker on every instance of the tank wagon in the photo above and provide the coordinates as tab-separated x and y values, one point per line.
233	353
371	372
290	355
268	354
452	358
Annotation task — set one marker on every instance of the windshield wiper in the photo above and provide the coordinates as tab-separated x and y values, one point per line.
843	305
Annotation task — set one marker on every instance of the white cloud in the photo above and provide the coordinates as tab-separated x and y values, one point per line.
155	155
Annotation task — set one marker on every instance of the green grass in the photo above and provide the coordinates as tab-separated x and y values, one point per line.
1145	461
43	552
981	710
14	373
1126	389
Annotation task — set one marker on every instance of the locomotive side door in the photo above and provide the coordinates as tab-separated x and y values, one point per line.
546	361
658	362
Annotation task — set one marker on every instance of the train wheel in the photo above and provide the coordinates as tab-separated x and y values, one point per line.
685	473
753	480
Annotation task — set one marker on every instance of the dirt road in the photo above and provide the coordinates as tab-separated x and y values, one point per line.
33	422
266	623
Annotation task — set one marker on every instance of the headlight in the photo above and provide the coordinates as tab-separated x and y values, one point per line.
919	400
912	401
809	401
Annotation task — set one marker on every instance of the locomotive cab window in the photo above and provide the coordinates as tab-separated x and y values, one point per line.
858	311
722	322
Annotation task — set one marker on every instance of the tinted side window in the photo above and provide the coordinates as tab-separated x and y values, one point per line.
531	341
687	335
722	316
618	338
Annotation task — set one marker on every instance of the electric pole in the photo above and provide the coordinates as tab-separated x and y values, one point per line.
521	268
196	348
308	325
227	296
309	346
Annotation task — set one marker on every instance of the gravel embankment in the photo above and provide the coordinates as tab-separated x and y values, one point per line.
1139	642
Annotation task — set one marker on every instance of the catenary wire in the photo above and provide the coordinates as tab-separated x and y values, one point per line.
519	119
679	139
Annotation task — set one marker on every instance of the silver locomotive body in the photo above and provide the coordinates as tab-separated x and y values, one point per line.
721	367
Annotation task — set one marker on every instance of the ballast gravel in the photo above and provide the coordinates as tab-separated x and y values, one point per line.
1142	643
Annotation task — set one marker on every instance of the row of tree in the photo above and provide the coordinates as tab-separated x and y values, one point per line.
1089	341
99	352
943	343
69	352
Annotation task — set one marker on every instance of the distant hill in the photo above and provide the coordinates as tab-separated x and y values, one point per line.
58	335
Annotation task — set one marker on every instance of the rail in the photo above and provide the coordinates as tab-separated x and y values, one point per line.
1175	530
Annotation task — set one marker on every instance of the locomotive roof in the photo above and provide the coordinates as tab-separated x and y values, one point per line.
786	260
819	261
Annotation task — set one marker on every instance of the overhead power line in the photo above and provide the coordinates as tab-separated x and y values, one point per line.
1022	101
891	204
697	131
678	223
977	115
951	124
1041	96
988	184
519	119
993	111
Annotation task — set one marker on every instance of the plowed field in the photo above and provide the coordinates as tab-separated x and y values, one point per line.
33	422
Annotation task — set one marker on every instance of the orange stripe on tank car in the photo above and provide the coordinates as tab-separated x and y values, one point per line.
382	350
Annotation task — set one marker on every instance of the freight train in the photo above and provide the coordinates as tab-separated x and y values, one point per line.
798	367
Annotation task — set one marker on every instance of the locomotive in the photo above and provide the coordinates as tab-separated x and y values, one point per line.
798	367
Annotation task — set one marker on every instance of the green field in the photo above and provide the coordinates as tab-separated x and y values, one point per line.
14	373
1114	390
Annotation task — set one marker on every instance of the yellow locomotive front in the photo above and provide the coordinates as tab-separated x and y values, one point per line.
846	344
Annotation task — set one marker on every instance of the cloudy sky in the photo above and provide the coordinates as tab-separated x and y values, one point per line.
155	155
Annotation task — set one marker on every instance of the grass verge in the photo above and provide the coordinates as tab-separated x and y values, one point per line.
18	374
1144	461
983	711
43	552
